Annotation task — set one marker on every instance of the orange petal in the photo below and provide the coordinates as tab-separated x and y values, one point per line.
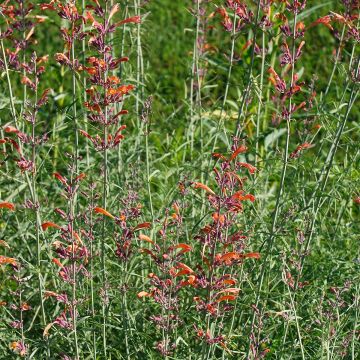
60	178
229	281
226	298
80	177
49	224
57	262
145	238
185	270
254	255
102	211
48	294
7	205
229	290
145	225
46	330
198	185
11	129
185	248
142	294
241	197
7	260
77	237
230	256
239	150
133	19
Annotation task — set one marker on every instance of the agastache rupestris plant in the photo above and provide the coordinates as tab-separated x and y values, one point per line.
71	257
126	227
22	132
170	274
26	145
223	248
103	96
290	98
105	91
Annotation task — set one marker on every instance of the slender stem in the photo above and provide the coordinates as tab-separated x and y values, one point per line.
258	115
227	87
194	75
292	303
125	311
199	80
37	215
148	169
252	61
83	45
12	104
24	55
279	196
206	350
337	57
103	250
139	74
121	70
76	140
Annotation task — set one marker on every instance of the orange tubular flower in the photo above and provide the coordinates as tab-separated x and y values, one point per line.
50	224
102	211
7	205
241	149
7	260
198	185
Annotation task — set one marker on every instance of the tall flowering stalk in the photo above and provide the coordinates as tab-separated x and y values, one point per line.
25	146
71	257
71	35
288	100
198	70
223	248
236	18
126	228
26	142
105	92
18	35
168	276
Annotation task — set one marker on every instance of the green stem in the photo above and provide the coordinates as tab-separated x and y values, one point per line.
252	61
279	196
258	115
